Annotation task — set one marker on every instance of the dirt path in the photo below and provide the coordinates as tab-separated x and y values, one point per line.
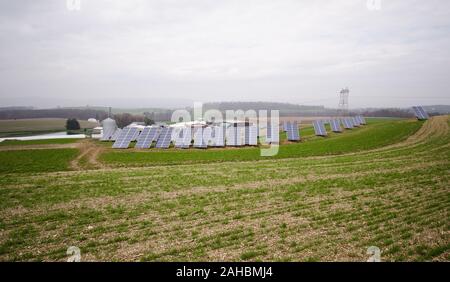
90	152
87	158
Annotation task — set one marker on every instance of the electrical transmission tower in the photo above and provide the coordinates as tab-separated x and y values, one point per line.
343	101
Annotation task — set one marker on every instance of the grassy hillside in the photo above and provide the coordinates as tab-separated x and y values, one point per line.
38	142
379	188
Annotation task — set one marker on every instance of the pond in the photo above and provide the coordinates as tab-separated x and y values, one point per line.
55	135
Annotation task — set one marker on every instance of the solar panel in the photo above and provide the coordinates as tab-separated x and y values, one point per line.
424	113
335	125
420	113
417	113
347	123
362	120
116	134
351	121
125	137
292	131
234	136
240	136
164	138
208	135
199	140
182	138
359	120
231	136
272	133
319	128
146	138
135	134
285	126
187	137
355	121
217	134
108	134
251	135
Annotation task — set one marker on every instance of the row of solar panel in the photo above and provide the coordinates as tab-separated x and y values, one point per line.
335	124
291	128
203	137
214	136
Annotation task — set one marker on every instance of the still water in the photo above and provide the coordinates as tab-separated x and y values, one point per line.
55	135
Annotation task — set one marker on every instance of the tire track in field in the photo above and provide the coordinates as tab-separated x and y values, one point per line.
90	152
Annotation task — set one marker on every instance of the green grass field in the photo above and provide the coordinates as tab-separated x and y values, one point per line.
323	199
38	142
36	160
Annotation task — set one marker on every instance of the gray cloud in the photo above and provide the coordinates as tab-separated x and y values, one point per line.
169	53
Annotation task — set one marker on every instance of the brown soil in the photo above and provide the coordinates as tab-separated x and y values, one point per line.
90	151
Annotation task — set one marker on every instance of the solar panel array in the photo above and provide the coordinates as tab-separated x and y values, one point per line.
235	135
251	135
146	138
126	136
335	125
292	131
319	128
165	137
420	113
199	140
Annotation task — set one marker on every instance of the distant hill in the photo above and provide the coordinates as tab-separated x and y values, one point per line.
15	108
440	109
164	114
286	109
133	111
82	114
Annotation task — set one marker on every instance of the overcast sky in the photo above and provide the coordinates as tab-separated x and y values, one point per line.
146	53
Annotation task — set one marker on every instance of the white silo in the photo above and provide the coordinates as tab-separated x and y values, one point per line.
109	127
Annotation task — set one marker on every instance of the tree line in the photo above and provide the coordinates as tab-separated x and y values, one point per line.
81	114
